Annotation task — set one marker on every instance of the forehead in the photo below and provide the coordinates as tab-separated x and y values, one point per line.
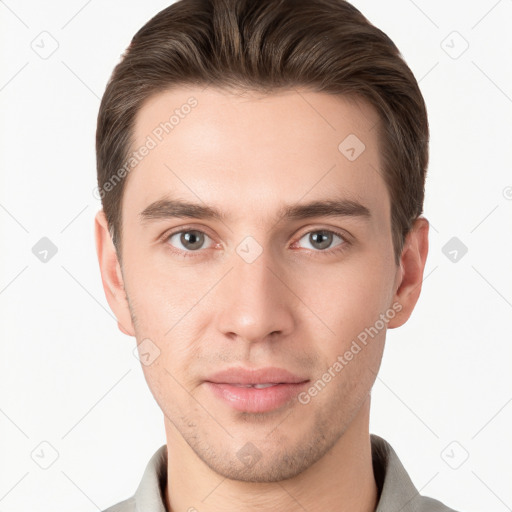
244	151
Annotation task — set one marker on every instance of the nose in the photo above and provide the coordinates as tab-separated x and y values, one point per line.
256	301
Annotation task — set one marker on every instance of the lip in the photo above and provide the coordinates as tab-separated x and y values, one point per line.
228	386
244	376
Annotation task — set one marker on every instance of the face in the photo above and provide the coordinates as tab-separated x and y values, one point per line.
285	262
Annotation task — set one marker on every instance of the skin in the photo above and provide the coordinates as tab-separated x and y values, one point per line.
298	306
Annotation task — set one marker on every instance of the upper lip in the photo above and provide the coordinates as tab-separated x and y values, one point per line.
244	376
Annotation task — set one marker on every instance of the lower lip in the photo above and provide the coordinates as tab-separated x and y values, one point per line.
254	399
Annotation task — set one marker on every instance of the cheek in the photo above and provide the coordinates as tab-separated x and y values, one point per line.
165	386
348	298
162	296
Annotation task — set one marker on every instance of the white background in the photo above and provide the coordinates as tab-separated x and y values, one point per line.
69	377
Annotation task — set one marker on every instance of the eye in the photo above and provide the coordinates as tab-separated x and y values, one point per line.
322	239
189	240
186	242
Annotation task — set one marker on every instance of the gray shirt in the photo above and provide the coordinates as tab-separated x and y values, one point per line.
396	490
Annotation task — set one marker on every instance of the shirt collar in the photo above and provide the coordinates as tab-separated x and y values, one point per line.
395	488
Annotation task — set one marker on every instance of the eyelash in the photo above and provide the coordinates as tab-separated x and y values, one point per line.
309	252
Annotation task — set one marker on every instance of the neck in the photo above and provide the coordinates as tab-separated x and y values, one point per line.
342	480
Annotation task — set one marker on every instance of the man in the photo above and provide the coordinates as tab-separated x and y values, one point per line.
261	167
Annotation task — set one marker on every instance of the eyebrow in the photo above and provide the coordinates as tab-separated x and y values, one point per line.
175	208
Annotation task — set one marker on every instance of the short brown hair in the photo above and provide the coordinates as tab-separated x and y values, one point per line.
265	45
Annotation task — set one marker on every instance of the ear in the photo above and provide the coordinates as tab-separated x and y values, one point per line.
111	275
410	273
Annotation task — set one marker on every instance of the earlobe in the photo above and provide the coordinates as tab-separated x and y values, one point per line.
111	275
410	271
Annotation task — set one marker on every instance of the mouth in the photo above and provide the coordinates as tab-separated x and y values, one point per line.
256	391
268	376
258	386
256	397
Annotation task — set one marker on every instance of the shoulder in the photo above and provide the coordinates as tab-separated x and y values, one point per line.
127	505
396	489
149	495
